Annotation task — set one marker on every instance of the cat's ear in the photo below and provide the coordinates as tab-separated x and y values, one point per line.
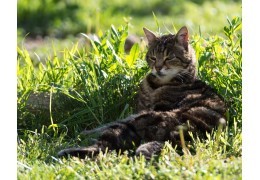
149	35
183	37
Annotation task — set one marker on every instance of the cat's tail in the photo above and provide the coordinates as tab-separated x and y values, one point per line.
121	136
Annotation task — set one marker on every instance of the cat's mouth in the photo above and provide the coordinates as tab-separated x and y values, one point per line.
159	73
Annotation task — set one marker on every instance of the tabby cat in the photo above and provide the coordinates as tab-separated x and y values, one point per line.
170	96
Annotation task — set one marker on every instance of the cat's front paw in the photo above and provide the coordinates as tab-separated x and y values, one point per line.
80	152
149	149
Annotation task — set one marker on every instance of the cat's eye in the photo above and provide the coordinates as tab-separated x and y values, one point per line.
169	59
153	58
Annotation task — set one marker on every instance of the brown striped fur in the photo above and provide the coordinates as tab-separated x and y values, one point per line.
170	96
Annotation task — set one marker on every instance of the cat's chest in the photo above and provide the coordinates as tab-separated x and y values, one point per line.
169	97
166	93
151	97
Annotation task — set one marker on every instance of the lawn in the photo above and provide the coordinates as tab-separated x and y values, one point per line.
64	86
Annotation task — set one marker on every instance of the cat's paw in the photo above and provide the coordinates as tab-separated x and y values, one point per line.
80	152
149	149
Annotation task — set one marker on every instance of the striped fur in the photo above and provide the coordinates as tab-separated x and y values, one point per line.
170	96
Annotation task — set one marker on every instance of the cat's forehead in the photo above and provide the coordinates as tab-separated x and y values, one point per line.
164	42
166	38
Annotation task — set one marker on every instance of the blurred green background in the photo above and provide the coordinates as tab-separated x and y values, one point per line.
67	18
47	24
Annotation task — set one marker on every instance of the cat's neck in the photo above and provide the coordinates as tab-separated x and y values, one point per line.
156	82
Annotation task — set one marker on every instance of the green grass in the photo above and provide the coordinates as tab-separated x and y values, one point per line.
59	23
65	18
89	87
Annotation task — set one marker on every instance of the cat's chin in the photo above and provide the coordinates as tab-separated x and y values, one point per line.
164	78
160	74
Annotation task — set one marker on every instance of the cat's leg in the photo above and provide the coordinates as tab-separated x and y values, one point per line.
80	152
128	133
149	149
115	137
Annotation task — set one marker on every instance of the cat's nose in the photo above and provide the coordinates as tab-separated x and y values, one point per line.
158	68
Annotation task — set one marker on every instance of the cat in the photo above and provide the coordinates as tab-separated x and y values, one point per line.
170	96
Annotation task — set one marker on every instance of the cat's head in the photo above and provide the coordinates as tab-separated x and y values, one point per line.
171	57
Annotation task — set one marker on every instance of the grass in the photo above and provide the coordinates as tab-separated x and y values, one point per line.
65	18
83	88
60	23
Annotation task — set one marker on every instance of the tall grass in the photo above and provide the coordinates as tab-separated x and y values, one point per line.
99	85
58	98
